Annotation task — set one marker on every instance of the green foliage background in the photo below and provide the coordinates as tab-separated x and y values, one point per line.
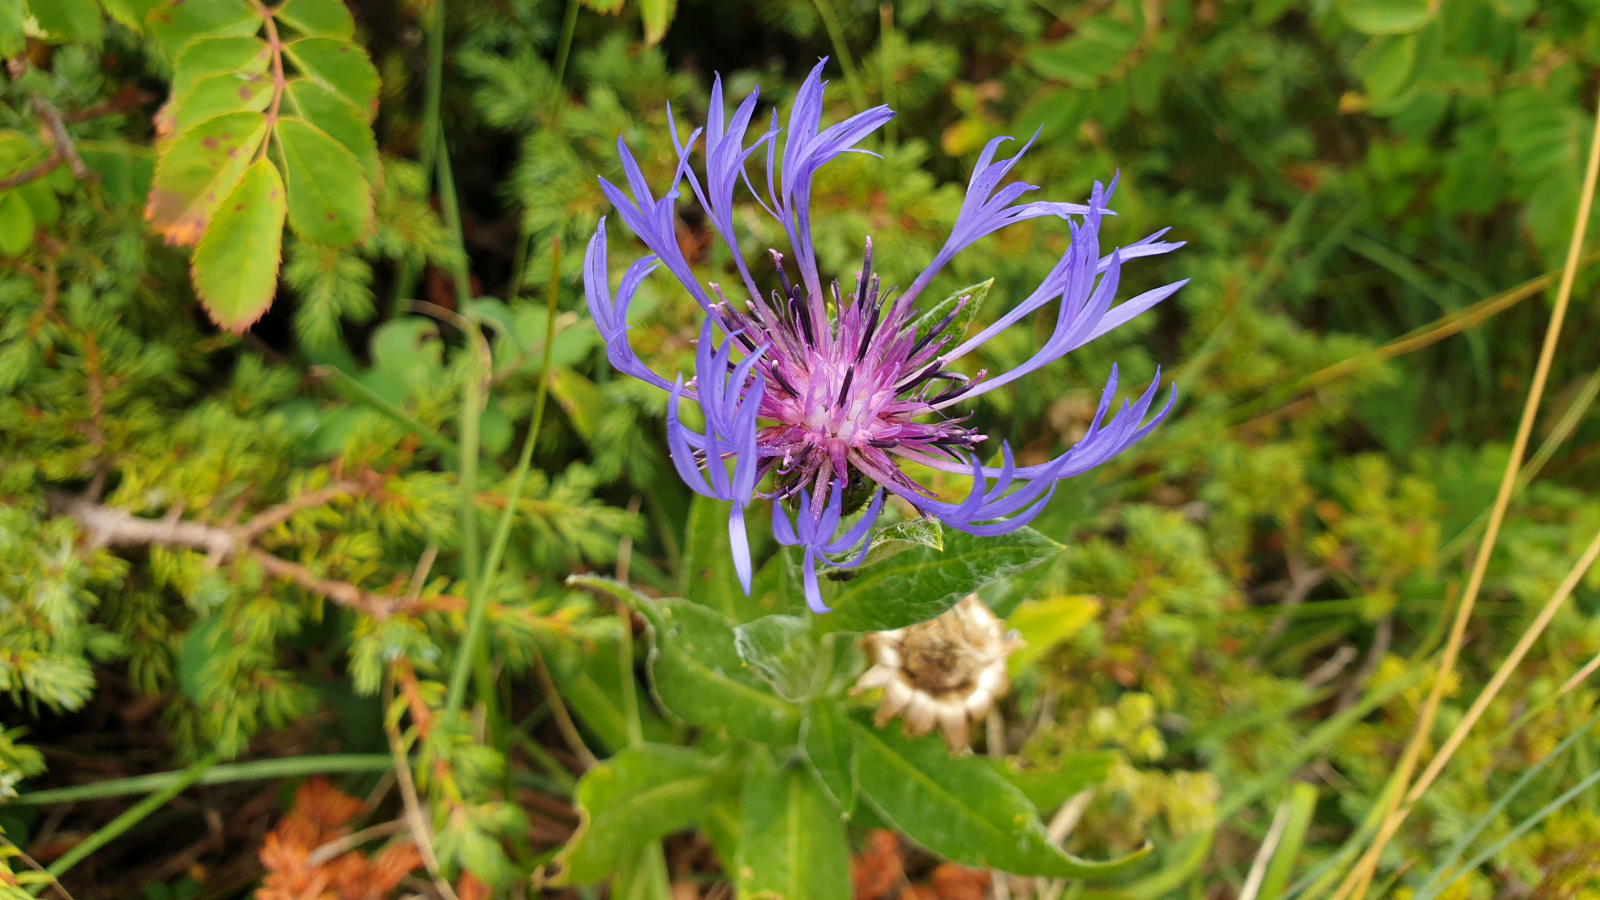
1285	550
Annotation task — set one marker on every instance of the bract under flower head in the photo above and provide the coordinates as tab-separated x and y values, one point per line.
814	392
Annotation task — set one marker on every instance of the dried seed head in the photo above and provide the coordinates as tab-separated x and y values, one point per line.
947	672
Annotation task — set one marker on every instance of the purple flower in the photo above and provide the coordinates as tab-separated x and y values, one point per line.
831	392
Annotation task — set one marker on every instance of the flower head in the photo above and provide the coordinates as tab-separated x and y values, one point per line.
819	393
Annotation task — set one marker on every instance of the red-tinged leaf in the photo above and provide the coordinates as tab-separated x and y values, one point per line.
235	268
196	172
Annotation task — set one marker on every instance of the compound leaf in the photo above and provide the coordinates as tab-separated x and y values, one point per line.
196	172
330	201
236	265
339	66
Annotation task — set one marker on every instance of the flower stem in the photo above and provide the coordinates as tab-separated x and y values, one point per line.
433	90
568	26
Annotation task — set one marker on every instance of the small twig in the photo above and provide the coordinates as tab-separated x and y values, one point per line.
33	173
1380	646
999	883
268	519
34	865
1066	819
415	818
63	141
335	847
419	575
1326	672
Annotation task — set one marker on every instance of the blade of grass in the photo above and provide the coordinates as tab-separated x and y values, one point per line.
847	62
221	774
1567	424
1361	876
131	817
1522	828
1269	846
1302	803
1471	834
356	392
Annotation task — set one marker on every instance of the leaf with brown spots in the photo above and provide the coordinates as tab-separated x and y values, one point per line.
175	23
198	170
330	201
235	268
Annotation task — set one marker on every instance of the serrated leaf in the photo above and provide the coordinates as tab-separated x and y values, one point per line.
339	66
340	119
828	748
235	266
16	224
1387	16
973	294
206	57
697	673
217	95
783	651
177	22
128	15
197	170
638	796
792	844
961	808
69	20
921	584
320	18
330	201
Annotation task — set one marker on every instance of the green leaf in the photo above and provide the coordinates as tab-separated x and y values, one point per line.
961	808
236	265
973	294
792	844
217	95
330	201
921	584
176	23
69	20
783	650
42	202
125	170
1386	16
12	38
656	15
206	57
1385	64
339	66
636	797
1049	788
128	13
317	18
196	172
898	538
829	750
697	673
340	119
707	571
16	224
1046	623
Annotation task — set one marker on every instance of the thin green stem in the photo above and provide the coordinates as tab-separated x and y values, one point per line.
478	589
887	53
433	91
568	26
114	828
852	79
